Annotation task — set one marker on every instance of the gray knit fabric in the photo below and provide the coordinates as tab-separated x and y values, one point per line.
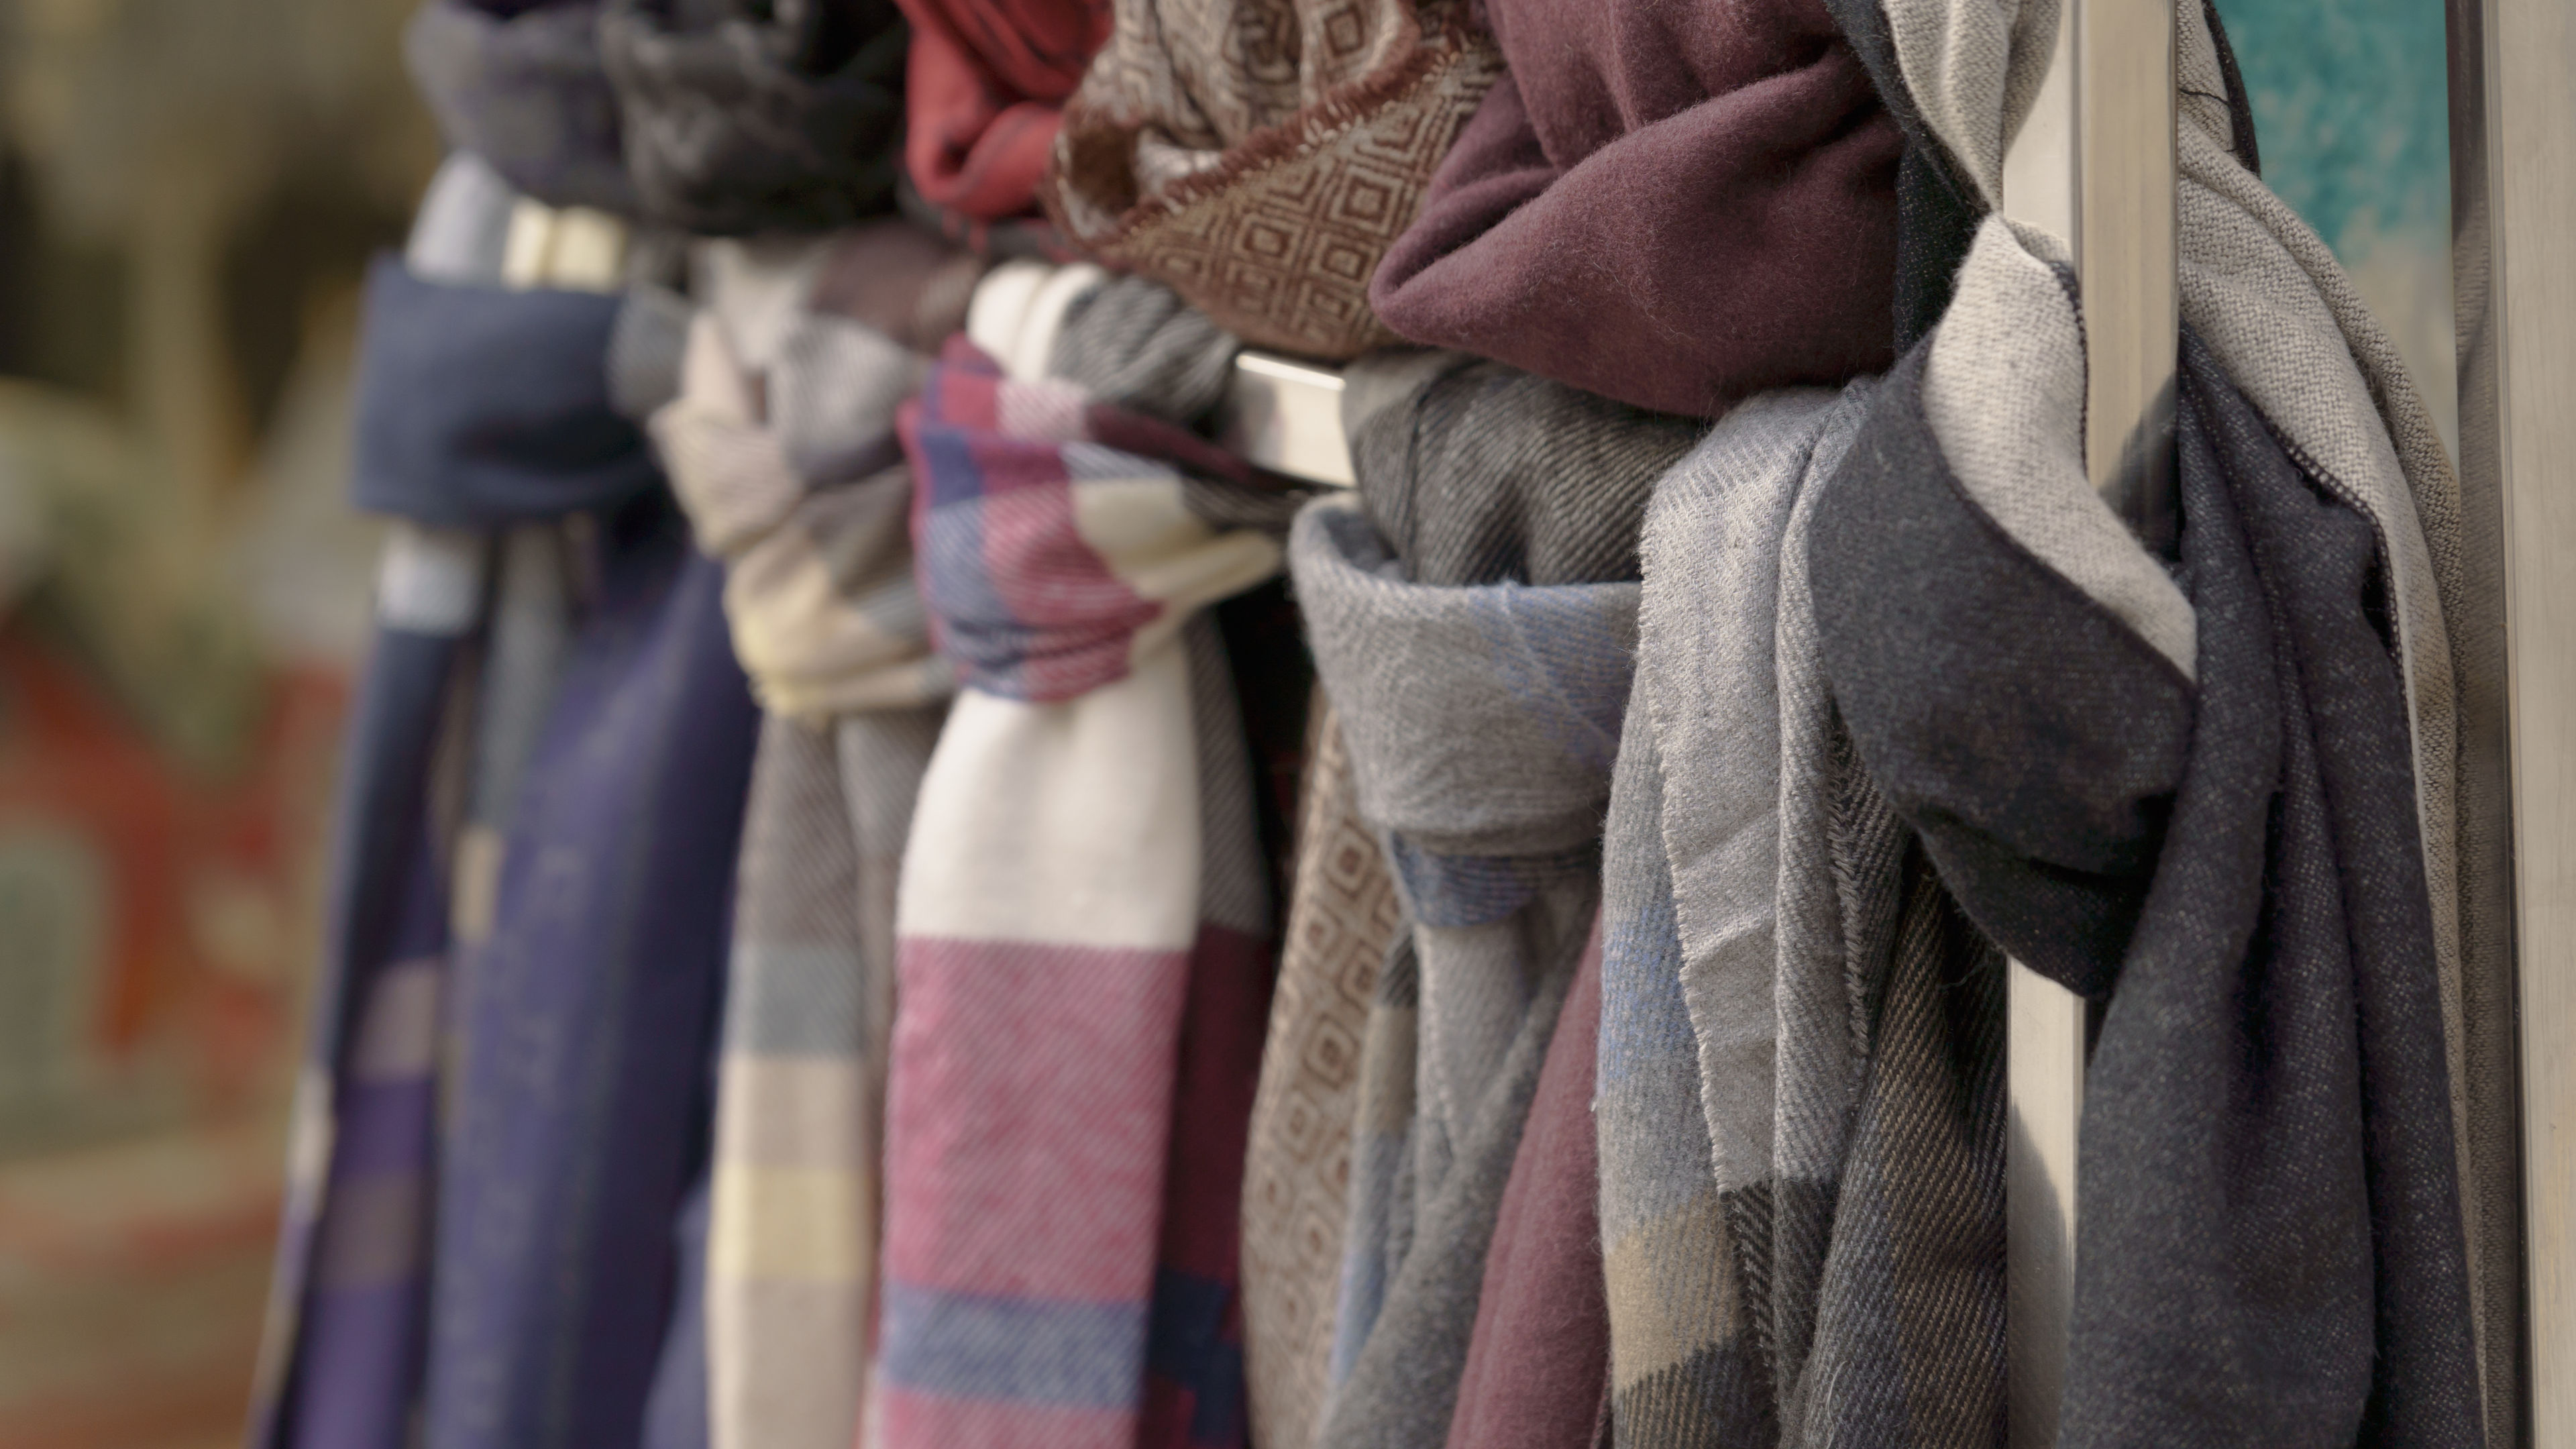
1133	343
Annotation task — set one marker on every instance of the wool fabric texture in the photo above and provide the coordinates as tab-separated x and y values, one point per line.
1669	206
2283	324
1538	1363
1801	1083
984	89
1342	916
1082	959
521	87
1260	159
1480	720
742	116
791	474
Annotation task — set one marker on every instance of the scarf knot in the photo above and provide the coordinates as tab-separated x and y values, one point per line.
1061	539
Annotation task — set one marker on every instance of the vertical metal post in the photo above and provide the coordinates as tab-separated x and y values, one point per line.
2094	164
2513	167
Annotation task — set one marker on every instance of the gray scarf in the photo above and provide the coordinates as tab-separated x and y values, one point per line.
1482	716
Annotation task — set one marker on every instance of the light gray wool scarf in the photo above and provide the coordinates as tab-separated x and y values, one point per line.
1787	997
1473	629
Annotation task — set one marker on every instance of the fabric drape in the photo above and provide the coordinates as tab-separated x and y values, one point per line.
984	89
1082	958
741	117
791	474
1260	159
521	87
2266	851
1801	1085
1672	206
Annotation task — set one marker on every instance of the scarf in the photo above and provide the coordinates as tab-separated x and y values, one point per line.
1538	1362
1081	958
1260	162
984	90
560	1151
743	117
520	86
791	474
1476	661
2267	1250
1801	1102
1670	206
1342	916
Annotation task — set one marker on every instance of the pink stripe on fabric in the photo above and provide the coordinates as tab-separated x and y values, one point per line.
918	1418
1051	580
1220	1067
1029	1116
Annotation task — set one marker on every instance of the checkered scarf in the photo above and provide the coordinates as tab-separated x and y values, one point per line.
1082	957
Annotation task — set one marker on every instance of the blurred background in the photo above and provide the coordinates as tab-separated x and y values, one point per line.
189	190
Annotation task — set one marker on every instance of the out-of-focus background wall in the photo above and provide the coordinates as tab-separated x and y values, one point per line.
188	191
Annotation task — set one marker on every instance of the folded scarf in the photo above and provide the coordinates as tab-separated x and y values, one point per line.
744	117
791	474
1538	1364
520	86
1802	1082
1342	916
1668	205
1260	160
985	89
2270	1242
1082	960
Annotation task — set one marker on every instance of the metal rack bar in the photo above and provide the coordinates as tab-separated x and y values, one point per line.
2513	177
2095	165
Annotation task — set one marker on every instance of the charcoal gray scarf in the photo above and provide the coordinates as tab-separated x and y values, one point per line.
520	86
743	116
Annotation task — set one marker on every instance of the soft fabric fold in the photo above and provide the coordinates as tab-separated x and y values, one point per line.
744	117
520	86
984	89
2264	851
787	463
1083	923
1260	160
1669	206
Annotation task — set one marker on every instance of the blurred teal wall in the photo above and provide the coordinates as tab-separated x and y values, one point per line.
2350	107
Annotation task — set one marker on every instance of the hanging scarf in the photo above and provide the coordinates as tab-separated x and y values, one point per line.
1342	915
1801	1085
520	86
1471	630
2267	1252
985	89
1668	205
1083	973
745	117
1260	160
791	474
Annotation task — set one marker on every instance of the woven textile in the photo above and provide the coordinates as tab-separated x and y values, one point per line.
1259	158
1537	1370
745	116
522	89
792	475
1671	205
1481	722
1082	959
1801	1089
1342	915
985	90
2282	323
